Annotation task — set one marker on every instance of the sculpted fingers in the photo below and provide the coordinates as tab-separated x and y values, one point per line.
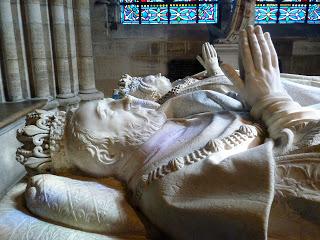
273	53
209	53
245	53
233	76
266	56
255	48
204	52
213	51
241	68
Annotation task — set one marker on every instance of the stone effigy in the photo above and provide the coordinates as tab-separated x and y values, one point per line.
202	165
159	88
151	87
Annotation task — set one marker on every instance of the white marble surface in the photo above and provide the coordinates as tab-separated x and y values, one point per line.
17	223
85	204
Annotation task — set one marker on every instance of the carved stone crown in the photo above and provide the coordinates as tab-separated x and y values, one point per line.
129	85
42	138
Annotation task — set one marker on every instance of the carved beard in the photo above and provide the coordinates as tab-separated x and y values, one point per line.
150	121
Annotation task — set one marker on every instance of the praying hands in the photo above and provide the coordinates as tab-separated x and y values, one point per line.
259	68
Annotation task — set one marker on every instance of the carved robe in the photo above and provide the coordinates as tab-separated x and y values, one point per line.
195	192
221	196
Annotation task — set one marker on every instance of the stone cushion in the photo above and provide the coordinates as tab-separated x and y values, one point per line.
87	204
17	223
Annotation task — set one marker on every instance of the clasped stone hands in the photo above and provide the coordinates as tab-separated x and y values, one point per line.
209	60
259	67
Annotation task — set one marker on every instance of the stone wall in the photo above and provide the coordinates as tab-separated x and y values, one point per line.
299	56
298	47
149	49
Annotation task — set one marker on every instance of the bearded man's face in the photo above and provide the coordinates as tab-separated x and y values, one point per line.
131	122
104	131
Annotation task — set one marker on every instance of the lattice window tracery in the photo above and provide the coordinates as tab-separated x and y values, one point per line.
169	12
287	11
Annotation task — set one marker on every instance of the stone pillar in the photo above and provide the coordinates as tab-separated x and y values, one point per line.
87	86
9	53
72	49
45	16
20	45
62	58
2	97
37	49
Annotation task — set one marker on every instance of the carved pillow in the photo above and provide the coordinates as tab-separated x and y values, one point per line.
85	205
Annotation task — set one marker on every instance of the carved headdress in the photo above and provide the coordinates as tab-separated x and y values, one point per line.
136	86
42	138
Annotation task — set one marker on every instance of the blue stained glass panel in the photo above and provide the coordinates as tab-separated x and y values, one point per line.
130	14
266	13
288	1
208	13
129	1
292	13
314	14
177	1
288	11
169	11
151	1
183	13
154	14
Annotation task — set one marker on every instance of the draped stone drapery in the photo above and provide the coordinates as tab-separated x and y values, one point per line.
46	51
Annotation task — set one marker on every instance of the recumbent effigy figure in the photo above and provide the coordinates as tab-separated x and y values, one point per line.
203	165
159	88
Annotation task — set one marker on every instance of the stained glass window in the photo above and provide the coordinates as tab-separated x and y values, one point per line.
287	11
169	11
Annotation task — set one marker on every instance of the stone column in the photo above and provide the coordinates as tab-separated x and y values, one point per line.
9	53
2	97
62	60
87	86
45	16
21	50
37	49
72	49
